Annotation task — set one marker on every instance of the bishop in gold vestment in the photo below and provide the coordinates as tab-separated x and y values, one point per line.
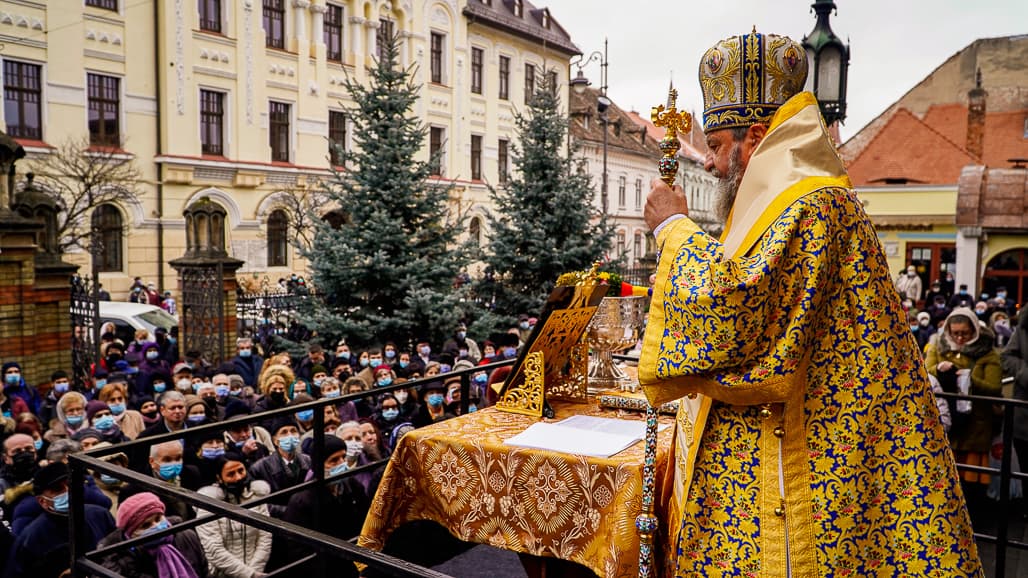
809	442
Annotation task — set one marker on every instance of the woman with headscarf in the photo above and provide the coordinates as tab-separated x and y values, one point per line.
71	417
178	555
129	421
964	360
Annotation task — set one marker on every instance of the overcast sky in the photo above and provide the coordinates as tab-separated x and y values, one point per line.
894	44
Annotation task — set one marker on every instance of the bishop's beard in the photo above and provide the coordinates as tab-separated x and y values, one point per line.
728	184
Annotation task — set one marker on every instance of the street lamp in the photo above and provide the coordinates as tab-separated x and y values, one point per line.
827	62
579	84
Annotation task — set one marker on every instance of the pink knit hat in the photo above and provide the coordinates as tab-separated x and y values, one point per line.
136	509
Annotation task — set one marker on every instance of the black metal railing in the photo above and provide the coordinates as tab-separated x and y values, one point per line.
83	562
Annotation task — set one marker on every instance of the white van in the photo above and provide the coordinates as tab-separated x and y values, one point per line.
128	317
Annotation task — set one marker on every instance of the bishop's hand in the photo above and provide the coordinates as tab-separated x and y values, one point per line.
662	202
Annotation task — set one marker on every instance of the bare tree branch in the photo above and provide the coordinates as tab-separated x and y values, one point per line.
303	206
82	177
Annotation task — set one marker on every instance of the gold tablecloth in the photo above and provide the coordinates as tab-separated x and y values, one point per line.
460	474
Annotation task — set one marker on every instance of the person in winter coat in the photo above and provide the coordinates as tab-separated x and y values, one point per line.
151	365
71	417
14	386
965	350
130	421
178	555
1015	364
247	362
233	549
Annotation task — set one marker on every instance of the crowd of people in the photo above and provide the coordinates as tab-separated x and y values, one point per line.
145	388
970	344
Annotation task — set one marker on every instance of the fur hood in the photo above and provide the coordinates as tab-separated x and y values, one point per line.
981	344
258	489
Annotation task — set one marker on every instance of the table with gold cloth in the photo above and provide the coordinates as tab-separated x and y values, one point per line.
460	474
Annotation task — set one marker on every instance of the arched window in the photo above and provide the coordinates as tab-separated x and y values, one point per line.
109	226
475	232
1009	271
278	238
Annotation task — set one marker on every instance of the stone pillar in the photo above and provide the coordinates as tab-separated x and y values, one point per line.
372	27
35	322
207	284
357	40
300	43
318	29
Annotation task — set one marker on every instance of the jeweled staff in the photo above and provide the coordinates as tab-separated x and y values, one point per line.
675	122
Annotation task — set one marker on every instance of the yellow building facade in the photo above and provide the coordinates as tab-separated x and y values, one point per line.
238	100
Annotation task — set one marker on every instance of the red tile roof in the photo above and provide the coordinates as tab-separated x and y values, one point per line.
909	150
933	149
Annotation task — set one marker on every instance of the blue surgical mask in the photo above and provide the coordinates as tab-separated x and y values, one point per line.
196	387
159	387
338	469
109	480
364	362
390	353
481	379
509	352
60	502
152	355
288	443
318	381
444	368
212	453
245	353
344	355
472	408
13	378
385	381
375	363
435	399
38	444
404	364
332	393
305	415
221	390
462	335
75	420
390	414
195	419
524	325
104	423
235	392
100	383
117	408
426	350
62	387
170	471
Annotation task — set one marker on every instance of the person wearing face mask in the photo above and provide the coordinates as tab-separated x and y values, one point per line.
108	484
129	421
388	415
100	418
367	374
274	386
332	388
423	355
304	417
356	456
71	416
177	555
285	468
252	442
147	407
150	365
337	508
20	463
60	384
182	378
461	347
166	465
41	549
923	329
384	376
433	405
15	387
524	328
247	362
908	284
999	323
234	549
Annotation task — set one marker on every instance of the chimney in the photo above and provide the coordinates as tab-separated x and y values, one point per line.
976	118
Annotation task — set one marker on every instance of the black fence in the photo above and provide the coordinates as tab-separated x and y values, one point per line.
88	563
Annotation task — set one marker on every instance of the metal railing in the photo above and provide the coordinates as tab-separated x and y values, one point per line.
83	562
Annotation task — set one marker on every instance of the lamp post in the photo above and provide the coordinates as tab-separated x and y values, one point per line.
579	84
828	60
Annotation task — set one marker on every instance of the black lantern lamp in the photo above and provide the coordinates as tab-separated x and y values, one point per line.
828	60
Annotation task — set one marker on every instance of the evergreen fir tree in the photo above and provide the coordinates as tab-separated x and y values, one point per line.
546	223
387	271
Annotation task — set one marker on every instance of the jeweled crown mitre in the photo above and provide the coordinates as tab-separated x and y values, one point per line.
746	78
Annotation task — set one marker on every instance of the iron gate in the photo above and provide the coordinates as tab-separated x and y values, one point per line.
85	331
202	312
273	311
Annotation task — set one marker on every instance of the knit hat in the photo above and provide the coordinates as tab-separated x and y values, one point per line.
47	476
318	369
333	444
383	368
93	407
87	433
236	381
923	315
463	364
9	365
235	407
281	422
136	509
